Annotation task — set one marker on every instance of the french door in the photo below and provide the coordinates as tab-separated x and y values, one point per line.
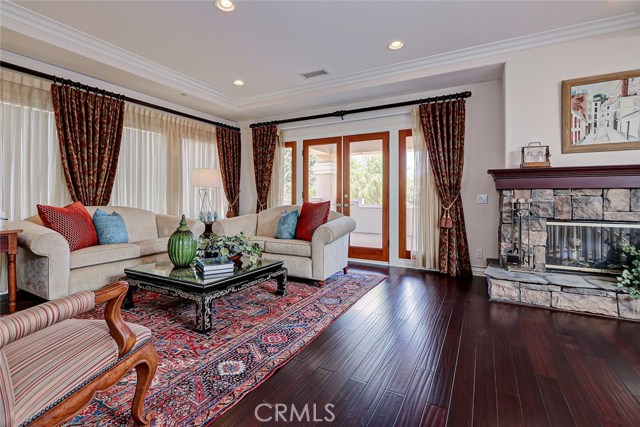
353	173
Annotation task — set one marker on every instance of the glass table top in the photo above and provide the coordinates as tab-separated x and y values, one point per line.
165	270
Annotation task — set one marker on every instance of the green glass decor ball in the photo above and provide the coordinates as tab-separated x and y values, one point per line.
182	245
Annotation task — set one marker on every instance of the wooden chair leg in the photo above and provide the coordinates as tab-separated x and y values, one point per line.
345	270
320	283
145	371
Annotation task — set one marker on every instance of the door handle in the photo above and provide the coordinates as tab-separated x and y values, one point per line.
346	205
338	205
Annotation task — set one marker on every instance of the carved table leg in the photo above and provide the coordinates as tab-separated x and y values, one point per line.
11	258
203	315
128	303
282	284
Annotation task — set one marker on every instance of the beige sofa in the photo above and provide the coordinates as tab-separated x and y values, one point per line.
46	267
318	259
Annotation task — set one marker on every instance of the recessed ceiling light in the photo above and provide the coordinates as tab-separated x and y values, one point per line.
225	5
394	45
238	82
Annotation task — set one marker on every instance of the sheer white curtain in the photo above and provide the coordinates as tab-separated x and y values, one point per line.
200	153
276	189
426	216
31	169
156	157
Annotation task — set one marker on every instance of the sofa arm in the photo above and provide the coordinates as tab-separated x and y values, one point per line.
41	240
25	322
235	225
43	260
332	231
167	224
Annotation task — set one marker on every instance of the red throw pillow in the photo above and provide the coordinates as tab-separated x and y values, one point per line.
312	216
72	221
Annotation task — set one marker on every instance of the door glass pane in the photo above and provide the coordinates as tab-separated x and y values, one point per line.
288	177
409	171
366	192
323	173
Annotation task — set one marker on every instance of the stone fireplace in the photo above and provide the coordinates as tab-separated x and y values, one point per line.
570	229
560	234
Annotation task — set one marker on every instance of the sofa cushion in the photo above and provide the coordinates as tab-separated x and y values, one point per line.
48	364
110	227
102	254
153	246
141	224
287	247
312	216
267	219
286	225
73	222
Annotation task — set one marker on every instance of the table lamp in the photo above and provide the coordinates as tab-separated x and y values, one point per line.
206	180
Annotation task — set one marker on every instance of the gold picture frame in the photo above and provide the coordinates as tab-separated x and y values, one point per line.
601	113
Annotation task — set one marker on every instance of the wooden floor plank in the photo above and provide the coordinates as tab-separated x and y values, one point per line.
555	404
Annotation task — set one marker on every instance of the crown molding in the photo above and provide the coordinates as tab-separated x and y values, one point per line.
31	24
602	26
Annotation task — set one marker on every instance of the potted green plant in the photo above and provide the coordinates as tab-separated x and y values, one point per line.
630	278
229	247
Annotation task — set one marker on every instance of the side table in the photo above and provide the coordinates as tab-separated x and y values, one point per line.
9	245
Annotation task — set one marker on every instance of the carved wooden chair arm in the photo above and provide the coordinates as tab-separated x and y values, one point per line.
113	295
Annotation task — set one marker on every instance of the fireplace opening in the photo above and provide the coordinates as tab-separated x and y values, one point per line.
589	246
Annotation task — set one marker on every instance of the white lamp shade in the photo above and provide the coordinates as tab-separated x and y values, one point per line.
204	178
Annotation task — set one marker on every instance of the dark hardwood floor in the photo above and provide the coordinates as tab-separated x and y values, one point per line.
424	350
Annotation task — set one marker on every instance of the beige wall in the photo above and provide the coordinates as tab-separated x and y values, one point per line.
533	96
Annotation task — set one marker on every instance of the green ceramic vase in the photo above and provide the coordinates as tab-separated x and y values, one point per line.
182	245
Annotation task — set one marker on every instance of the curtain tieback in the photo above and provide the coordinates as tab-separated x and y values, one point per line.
446	221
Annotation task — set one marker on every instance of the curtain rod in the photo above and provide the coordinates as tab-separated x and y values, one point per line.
342	113
53	78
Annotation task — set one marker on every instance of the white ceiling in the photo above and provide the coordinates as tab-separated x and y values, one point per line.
165	48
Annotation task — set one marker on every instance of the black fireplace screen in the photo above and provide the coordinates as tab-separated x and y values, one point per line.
589	246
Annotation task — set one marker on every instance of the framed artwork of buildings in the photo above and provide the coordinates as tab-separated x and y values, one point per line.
601	113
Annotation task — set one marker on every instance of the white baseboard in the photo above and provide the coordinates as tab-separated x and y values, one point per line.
478	271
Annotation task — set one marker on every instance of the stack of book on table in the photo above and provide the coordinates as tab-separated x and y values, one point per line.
213	268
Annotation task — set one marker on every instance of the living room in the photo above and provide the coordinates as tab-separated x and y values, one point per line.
413	339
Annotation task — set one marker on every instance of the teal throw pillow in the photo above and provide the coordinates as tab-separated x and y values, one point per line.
110	227
286	225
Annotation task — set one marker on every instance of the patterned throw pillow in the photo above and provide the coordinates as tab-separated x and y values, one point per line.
312	216
286	225
72	221
110	227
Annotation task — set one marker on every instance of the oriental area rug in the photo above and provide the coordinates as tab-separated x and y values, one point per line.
200	376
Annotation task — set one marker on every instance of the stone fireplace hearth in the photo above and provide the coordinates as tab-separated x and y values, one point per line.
574	220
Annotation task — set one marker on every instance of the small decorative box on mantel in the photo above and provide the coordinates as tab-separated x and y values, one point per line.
535	155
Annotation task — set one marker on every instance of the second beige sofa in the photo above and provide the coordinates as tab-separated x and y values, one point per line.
326	254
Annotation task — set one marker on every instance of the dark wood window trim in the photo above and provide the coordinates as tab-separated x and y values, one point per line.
403	253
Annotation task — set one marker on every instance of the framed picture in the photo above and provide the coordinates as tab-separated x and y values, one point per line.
601	113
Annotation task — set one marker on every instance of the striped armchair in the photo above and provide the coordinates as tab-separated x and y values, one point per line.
51	365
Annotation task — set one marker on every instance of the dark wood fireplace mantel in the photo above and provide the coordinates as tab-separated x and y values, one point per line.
614	176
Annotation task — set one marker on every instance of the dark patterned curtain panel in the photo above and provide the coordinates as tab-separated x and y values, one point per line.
229	158
264	149
443	126
89	128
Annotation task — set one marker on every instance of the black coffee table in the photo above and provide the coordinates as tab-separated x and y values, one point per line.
164	278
